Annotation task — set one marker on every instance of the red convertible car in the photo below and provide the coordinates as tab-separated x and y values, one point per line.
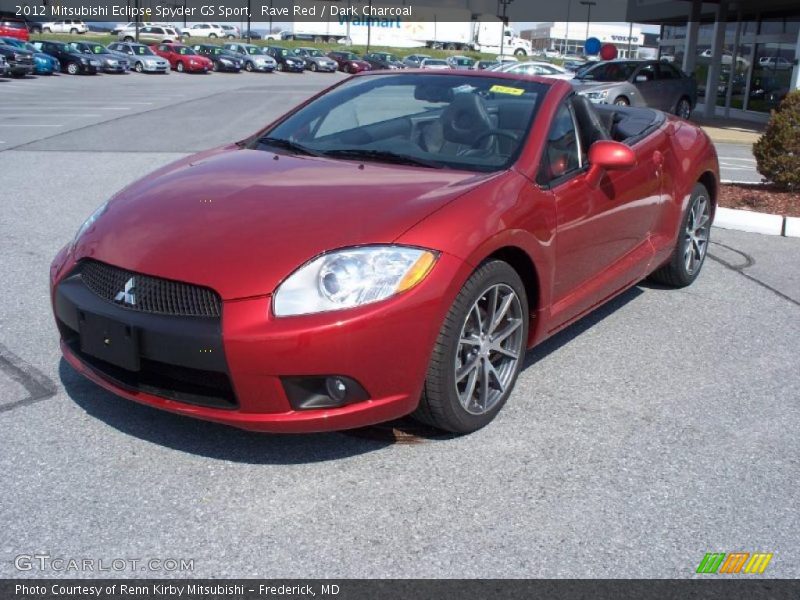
391	246
183	58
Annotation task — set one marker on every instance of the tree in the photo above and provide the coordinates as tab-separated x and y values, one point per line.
777	152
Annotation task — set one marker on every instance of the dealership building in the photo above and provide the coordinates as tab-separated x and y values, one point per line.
744	54
569	37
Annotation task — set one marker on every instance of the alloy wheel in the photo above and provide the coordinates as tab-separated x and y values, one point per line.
696	234
180	67
684	109
139	67
72	69
490	348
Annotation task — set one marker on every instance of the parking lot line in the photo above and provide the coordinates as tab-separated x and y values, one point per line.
30	125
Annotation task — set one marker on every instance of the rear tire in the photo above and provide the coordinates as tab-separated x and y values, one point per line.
479	351
692	244
212	36
128	39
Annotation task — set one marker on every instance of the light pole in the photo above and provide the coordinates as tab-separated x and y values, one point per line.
504	20
589	4
565	45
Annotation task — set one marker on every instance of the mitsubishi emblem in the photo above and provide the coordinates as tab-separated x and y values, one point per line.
128	295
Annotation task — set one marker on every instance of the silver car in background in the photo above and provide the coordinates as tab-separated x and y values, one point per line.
255	58
638	83
140	57
316	60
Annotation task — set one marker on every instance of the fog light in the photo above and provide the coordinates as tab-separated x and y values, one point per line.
337	388
330	391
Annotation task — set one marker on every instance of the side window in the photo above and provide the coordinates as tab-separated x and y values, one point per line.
562	155
667	72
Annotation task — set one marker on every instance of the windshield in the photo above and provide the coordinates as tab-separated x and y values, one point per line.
98	49
434	61
463	61
389	57
314	52
142	50
185	51
613	71
287	52
254	50
468	123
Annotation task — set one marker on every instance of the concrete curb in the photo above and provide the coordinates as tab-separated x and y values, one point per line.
756	222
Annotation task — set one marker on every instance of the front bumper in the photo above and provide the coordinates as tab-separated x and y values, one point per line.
385	347
119	68
223	68
294	68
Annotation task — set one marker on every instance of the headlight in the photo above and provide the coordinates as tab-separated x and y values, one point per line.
84	61
111	62
87	224
352	277
225	61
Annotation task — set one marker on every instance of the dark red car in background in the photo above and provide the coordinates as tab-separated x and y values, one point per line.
349	62
392	246
183	58
12	27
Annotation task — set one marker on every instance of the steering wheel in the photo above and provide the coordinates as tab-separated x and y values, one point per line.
496	133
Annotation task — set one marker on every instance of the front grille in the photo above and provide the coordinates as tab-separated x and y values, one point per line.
149	294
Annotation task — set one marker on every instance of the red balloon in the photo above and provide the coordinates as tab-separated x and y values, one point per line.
608	52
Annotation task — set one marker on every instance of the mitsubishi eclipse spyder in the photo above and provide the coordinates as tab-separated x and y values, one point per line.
392	246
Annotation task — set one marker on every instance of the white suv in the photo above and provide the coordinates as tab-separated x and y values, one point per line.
65	26
206	30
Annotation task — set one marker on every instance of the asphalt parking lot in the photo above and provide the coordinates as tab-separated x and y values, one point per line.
657	429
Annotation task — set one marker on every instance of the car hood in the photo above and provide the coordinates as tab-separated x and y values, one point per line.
321	59
240	221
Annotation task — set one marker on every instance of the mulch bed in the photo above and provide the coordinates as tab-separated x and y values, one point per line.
760	198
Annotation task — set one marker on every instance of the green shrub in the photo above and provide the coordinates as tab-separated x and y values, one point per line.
777	152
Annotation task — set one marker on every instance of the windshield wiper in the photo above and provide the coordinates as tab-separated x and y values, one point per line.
289	145
382	156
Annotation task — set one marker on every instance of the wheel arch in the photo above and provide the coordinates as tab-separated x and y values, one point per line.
523	264
709	180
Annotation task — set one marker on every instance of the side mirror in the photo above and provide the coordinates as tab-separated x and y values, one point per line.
606	155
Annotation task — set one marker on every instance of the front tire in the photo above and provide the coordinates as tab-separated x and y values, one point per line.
692	245
478	353
73	68
622	101
179	67
138	67
684	108
248	66
314	67
212	36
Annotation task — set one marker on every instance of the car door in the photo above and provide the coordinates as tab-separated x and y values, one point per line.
673	86
645	78
602	231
